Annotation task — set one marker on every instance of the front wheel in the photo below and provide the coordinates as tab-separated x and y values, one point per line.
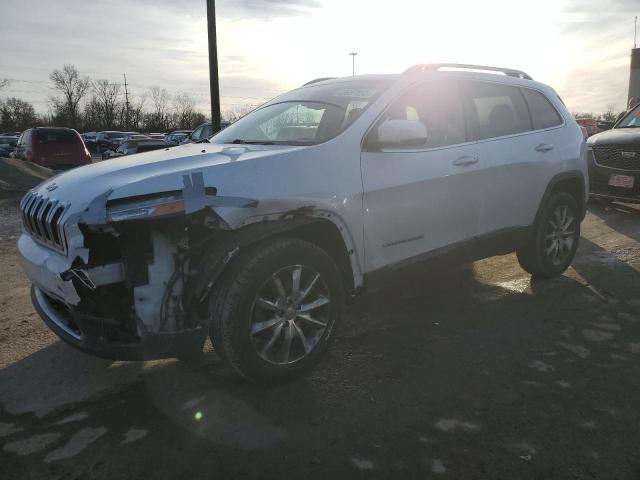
554	241
276	310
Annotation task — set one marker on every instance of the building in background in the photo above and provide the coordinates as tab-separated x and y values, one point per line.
634	75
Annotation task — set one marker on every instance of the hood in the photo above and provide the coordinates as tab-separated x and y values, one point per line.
617	136
81	185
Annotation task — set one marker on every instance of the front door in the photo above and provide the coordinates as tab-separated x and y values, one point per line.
419	199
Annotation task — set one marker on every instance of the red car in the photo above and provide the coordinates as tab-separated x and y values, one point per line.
52	147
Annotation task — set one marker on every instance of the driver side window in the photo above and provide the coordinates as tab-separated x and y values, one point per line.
436	105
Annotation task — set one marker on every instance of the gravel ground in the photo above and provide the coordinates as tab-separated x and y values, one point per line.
476	372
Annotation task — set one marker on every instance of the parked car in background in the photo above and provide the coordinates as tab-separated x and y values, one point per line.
10	134
89	139
590	124
257	237
52	147
177	136
7	145
614	160
139	145
108	140
204	132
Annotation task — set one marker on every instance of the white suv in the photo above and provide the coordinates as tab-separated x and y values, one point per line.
257	237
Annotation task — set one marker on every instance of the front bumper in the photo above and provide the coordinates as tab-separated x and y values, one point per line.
60	305
599	183
88	334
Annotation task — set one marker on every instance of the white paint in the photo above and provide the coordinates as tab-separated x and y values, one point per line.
192	403
590	424
424	439
634	347
133	434
31	445
9	429
541	366
615	356
362	463
76	417
597	335
76	444
452	424
578	350
563	384
437	466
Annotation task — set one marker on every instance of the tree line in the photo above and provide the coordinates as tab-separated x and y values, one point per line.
92	105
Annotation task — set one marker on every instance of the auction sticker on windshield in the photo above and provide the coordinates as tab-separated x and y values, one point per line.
354	92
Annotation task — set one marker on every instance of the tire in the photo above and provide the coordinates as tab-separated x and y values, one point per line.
554	241
251	323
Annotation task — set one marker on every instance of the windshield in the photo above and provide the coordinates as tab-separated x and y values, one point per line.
306	116
632	120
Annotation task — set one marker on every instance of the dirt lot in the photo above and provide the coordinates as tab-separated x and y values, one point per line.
472	373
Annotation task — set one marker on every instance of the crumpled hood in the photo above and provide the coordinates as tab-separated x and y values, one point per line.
617	136
81	185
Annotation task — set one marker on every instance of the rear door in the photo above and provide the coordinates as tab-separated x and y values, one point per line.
417	200
500	121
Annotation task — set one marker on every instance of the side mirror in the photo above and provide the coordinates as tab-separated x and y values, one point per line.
402	133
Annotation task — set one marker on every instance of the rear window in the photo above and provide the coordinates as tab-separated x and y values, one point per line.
543	114
499	109
114	135
56	136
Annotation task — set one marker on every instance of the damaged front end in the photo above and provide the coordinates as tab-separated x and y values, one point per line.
129	278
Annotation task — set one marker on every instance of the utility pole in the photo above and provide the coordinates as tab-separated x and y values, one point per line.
635	32
213	66
126	103
353	62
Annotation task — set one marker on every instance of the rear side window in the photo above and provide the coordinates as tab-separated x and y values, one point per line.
498	109
543	114
55	136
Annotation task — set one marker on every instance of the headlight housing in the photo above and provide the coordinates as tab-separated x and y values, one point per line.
145	208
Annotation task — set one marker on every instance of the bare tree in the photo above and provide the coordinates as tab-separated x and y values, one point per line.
184	110
237	112
158	119
609	115
136	113
107	95
16	115
72	89
4	83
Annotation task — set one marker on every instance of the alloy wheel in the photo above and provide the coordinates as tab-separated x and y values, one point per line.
560	234
290	314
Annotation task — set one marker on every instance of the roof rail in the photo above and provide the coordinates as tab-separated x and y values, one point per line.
433	67
316	80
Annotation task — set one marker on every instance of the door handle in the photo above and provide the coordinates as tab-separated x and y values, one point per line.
465	160
544	147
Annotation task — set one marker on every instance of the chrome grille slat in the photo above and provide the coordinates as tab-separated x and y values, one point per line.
41	219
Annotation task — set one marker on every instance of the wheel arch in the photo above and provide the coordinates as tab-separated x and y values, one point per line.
322	229
572	182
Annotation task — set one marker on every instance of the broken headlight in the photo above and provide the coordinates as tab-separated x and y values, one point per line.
145	208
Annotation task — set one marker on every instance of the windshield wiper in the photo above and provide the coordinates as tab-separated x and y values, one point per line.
240	141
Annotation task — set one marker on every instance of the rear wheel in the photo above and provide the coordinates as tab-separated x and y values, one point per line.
554	242
276	310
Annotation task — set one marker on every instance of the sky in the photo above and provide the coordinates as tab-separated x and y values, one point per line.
266	47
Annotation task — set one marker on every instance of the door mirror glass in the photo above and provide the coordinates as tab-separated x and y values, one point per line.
402	133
